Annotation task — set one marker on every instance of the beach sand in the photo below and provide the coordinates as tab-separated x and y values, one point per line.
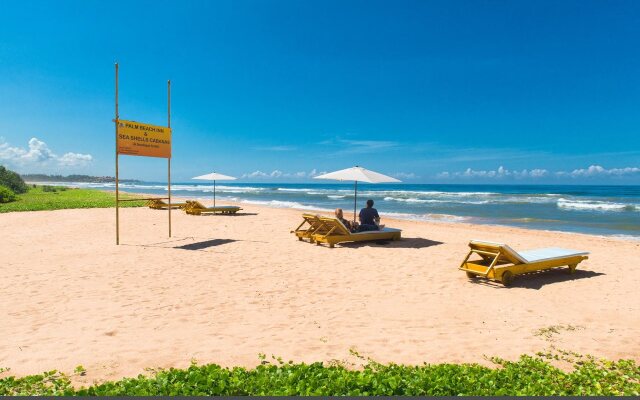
225	288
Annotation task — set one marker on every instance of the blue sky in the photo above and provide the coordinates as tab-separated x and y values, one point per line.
428	91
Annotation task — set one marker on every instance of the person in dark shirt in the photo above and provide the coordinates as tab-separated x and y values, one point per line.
369	218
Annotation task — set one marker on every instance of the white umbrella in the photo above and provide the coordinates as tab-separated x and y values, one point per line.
214	176
357	174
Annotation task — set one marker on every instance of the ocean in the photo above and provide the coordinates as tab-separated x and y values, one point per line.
601	210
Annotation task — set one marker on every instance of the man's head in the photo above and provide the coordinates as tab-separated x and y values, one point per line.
369	203
339	213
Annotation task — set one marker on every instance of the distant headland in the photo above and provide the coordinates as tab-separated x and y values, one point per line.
73	178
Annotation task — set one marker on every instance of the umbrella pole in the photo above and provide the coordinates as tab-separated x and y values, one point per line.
355	199
214	192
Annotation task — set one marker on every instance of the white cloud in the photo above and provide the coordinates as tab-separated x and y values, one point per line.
39	153
344	146
406	175
314	172
499	173
275	148
590	172
74	159
597	170
255	174
280	174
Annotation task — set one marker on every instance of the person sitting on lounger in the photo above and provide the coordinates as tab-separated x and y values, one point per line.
369	218
351	226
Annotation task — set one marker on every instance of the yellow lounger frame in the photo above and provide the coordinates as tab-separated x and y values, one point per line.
315	225
500	263
334	232
157	204
196	208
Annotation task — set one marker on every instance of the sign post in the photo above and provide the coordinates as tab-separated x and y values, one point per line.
146	140
117	157
169	158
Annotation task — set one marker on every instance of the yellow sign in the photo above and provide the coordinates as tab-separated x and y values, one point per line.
138	139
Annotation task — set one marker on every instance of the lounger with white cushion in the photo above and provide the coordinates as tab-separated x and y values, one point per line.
196	208
500	262
334	232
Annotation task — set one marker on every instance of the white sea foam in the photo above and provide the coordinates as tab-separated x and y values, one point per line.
595	205
425	217
413	200
336	196
294	190
284	204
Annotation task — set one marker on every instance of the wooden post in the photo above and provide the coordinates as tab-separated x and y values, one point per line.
117	190
169	159
355	199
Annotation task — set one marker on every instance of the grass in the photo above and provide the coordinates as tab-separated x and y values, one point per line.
41	198
530	376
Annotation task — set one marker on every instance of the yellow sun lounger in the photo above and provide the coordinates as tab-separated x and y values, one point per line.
315	225
196	208
157	204
336	232
500	262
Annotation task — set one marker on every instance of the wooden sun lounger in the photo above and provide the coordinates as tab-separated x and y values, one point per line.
336	232
196	208
310	224
161	205
501	263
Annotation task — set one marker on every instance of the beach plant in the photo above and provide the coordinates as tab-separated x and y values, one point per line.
48	188
6	195
529	376
12	180
56	198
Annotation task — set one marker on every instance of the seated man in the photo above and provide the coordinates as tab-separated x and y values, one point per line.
352	226
369	218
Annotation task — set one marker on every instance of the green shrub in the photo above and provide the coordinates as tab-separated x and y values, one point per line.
48	188
6	195
12	180
529	376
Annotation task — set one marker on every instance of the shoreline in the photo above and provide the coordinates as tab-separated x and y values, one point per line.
561	211
207	200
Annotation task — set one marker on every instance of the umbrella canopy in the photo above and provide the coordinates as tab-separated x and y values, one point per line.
214	176
356	174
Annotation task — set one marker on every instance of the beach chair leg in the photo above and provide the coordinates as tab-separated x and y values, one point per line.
331	245
572	268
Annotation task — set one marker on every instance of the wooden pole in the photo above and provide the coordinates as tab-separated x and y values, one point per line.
117	176
169	159
355	199
214	192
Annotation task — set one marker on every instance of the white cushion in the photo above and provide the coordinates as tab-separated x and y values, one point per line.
550	253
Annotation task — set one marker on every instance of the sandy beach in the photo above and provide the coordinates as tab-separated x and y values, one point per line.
225	288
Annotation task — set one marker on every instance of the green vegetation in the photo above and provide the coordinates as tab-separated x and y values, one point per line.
531	376
12	180
74	178
6	195
55	198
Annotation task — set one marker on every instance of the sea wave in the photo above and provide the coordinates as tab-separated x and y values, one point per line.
418	201
426	217
336	196
285	204
595	205
413	200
